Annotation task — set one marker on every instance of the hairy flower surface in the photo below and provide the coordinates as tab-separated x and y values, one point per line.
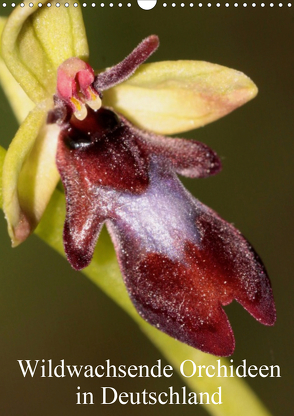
180	261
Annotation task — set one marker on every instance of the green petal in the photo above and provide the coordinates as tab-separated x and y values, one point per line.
35	41
18	99
172	97
29	173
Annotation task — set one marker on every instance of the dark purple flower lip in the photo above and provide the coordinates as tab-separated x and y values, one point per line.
180	261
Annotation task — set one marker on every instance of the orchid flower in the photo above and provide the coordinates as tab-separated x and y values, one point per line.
180	261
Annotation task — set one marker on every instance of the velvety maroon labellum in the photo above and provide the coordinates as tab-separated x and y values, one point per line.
180	261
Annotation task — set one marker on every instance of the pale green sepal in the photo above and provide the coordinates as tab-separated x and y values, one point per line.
3	20
35	41
18	99
172	97
29	173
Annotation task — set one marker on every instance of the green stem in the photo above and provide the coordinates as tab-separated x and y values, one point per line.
237	398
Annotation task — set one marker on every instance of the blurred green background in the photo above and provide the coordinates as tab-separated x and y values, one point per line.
48	311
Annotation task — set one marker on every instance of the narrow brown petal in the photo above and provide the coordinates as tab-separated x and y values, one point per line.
122	71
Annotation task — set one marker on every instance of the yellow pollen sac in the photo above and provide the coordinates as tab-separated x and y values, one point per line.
95	104
80	111
92	94
77	104
95	101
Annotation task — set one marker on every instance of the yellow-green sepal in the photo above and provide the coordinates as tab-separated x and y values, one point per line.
18	99
35	41
173	97
29	173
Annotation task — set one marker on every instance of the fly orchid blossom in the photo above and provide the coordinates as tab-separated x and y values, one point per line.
180	261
